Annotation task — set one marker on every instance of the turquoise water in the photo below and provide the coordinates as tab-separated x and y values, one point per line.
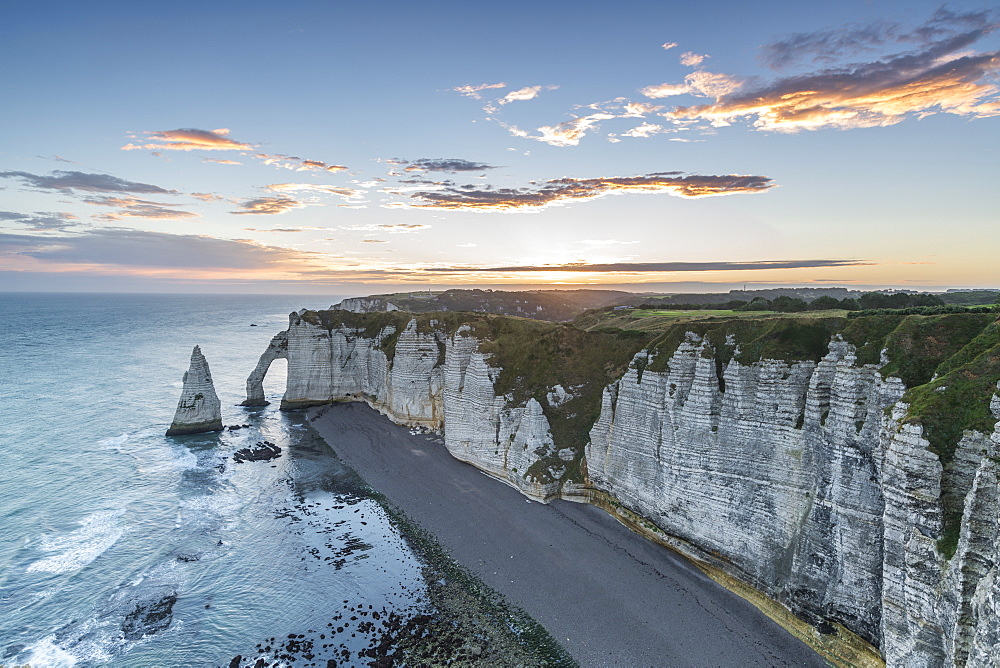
121	546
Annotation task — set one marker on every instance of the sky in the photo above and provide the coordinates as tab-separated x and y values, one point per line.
356	148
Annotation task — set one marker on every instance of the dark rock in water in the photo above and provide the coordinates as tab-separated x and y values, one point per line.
238	659
149	616
188	557
264	451
13	650
252	324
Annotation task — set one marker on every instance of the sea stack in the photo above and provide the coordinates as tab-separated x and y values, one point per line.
199	409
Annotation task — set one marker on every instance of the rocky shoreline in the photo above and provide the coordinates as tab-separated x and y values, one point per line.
607	594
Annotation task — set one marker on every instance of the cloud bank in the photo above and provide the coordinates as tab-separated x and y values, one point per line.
561	191
660	267
94	183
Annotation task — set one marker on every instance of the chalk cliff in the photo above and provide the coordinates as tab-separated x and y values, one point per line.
811	460
199	409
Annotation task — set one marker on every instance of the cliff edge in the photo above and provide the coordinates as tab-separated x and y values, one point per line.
843	471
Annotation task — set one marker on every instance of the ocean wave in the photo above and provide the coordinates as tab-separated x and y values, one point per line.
114	442
183	459
74	550
46	652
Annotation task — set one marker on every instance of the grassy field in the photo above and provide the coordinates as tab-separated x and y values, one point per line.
653	320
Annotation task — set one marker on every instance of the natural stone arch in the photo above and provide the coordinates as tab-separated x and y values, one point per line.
277	349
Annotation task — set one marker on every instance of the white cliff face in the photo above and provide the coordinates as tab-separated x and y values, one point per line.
365	305
434	380
804	479
771	473
797	478
199	409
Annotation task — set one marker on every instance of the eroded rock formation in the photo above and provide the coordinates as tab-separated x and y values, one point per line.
809	479
199	409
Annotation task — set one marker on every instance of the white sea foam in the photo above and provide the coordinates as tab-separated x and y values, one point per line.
46	652
115	442
74	550
93	642
184	459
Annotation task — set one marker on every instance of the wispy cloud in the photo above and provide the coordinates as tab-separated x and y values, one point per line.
346	193
666	46
644	130
473	91
268	206
835	45
207	197
41	221
188	139
524	94
639	109
690	58
118	247
569	133
449	165
392	229
297	164
95	183
562	191
701	84
659	267
193	139
132	207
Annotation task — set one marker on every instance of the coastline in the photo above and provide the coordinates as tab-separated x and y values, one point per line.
610	596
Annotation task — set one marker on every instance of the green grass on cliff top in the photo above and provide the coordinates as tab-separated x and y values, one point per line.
533	356
950	363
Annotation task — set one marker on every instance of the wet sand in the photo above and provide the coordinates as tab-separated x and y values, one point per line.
610	596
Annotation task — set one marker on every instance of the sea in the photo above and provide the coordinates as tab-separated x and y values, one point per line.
120	546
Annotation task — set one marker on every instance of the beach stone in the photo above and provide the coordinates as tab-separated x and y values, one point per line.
199	409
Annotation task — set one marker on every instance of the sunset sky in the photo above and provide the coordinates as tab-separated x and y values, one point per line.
353	148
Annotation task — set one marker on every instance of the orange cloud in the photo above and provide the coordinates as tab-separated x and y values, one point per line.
207	197
561	191
190	139
944	78
268	206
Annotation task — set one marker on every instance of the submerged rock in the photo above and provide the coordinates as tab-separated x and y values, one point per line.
199	409
149	616
264	451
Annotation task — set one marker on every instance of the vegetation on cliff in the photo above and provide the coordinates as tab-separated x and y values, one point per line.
950	362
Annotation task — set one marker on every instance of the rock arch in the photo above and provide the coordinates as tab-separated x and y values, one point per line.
277	349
